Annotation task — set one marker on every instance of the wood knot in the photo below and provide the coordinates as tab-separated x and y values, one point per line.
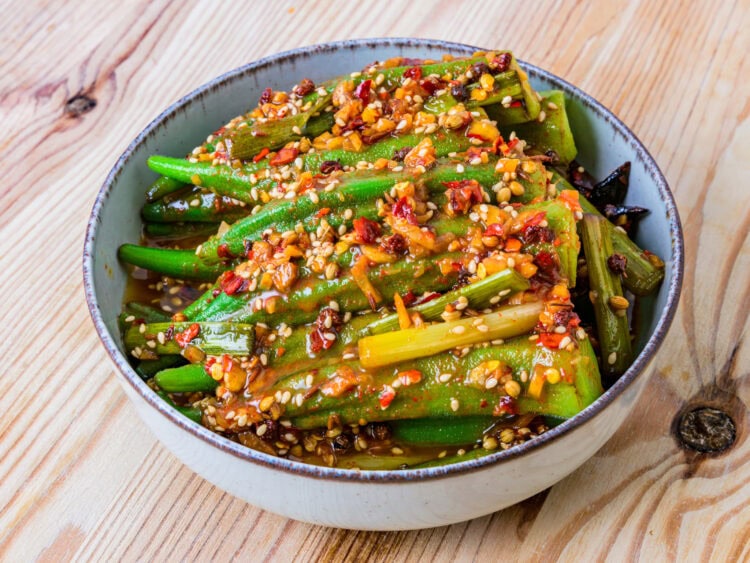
706	430
79	104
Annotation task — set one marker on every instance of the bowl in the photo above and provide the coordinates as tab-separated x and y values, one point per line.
374	500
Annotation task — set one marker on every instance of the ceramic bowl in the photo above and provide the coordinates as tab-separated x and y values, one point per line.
373	500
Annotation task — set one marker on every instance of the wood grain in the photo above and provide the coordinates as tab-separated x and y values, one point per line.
83	479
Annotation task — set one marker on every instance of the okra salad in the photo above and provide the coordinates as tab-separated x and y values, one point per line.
398	268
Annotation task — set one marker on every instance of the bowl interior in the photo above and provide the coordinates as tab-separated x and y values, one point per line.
603	143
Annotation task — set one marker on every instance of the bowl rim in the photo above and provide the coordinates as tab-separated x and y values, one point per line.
382	476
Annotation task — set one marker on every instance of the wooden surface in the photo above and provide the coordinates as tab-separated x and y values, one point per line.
80	475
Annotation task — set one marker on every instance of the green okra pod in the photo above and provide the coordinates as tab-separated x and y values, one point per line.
213	338
181	264
462	391
610	306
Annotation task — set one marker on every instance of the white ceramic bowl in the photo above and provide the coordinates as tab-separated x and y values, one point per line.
374	500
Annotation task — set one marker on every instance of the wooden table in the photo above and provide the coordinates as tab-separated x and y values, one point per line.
83	478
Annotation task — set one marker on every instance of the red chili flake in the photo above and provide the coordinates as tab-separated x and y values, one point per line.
403	210
410	377
506	405
363	90
183	338
516	104
395	244
227	363
231	283
545	260
401	153
495	230
477	136
367	231
496	144
550	339
409	298
415	73
617	263
222	251
317	341
427	298
534	220
430	85
462	194
501	63
386	396
284	156
512	143
209	362
483	404
304	87
535	234
266	96
322	212
261	155
329	166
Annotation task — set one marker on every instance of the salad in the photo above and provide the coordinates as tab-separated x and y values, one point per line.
397	268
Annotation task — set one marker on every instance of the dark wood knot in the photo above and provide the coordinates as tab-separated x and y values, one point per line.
79	104
706	430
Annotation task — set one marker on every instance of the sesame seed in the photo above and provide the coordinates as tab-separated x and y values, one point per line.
565	342
445	377
483	328
490	383
129	319
612	358
397	451
262	429
454	404
460	168
296	130
458	329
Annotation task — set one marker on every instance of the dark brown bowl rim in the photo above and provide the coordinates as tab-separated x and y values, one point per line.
390	476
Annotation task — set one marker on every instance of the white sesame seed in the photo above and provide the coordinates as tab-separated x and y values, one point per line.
491	383
445	377
460	168
458	329
262	429
454	404
612	358
564	342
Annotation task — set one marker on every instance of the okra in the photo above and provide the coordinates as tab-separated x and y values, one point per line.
610	306
212	338
447	385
